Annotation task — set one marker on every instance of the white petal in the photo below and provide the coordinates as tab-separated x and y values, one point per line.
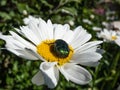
68	36
77	32
38	79
76	74
20	50
11	45
21	47
30	51
34	28
29	19
118	41
88	47
60	30
50	73
50	29
86	57
107	33
22	41
23	54
44	29
80	37
16	46
14	51
81	40
91	64
63	72
5	37
29	35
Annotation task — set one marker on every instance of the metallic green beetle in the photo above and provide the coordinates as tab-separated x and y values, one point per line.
61	48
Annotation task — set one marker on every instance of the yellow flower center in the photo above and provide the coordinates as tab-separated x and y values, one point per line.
46	50
113	37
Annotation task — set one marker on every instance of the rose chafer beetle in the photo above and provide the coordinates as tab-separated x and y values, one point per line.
61	48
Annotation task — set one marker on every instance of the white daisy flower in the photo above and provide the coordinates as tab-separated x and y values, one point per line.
118	32
109	36
60	49
116	24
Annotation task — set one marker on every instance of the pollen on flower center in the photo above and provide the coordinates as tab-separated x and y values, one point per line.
113	37
46	50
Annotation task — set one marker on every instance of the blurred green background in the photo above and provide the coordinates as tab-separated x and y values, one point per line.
16	73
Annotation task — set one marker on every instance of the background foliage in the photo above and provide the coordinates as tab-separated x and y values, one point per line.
16	73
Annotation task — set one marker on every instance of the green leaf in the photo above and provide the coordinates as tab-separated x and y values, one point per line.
69	10
99	80
77	1
46	3
3	2
5	15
